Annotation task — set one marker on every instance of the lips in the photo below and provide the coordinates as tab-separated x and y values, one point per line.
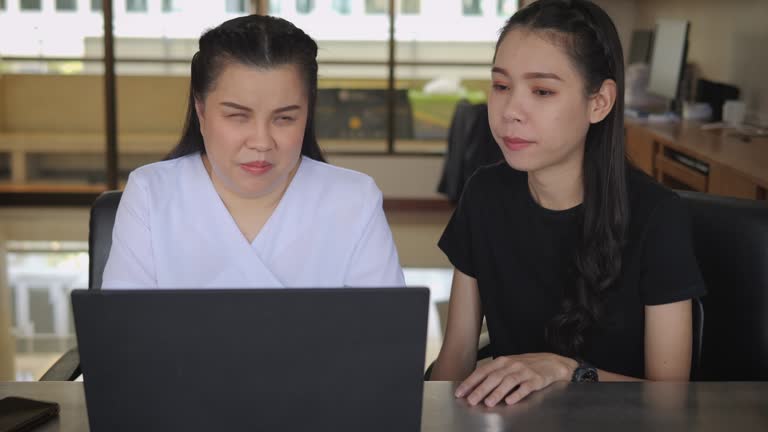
257	164
516	143
256	167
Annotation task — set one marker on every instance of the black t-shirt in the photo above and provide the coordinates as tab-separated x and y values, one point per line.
522	256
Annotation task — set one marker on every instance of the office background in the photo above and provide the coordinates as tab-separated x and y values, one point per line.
53	132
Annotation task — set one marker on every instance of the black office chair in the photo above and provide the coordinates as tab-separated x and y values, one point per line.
730	237
67	368
470	146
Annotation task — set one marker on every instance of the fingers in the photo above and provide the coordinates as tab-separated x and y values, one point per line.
479	375
507	385
523	390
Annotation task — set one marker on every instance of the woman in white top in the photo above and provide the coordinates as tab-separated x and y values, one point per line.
245	199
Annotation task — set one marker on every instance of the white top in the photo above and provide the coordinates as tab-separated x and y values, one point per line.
173	231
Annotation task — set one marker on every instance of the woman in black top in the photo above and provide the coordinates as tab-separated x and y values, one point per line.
582	266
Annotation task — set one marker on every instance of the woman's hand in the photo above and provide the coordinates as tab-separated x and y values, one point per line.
492	382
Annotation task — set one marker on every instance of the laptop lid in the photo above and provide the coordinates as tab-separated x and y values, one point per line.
278	359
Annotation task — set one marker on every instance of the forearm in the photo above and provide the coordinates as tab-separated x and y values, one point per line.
605	376
452	368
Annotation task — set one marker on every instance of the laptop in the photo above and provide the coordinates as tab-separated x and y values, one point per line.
340	359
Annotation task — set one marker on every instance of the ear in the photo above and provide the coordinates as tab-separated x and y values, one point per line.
601	103
200	113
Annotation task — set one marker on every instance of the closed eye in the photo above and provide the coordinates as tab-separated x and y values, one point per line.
543	93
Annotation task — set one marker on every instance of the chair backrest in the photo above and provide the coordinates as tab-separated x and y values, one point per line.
100	236
730	238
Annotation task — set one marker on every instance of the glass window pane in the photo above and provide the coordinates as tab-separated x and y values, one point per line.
136	5
456	66
376	6
409	7
66	5
351	109
29	5
507	8
304	6
274	7
235	6
96	5
472	7
342	6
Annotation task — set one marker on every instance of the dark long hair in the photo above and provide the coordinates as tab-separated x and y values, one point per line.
253	40
589	37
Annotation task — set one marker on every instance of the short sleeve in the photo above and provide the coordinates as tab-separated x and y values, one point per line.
456	241
130	263
670	270
375	262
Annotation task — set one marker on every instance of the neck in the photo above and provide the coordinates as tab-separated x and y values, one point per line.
558	187
236	203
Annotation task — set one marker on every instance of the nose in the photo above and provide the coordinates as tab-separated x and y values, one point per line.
513	108
260	139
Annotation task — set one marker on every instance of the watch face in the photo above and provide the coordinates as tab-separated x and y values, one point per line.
589	375
585	374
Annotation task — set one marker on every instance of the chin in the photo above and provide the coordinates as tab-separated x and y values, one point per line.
520	163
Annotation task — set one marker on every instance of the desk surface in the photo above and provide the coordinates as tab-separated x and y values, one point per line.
716	146
627	407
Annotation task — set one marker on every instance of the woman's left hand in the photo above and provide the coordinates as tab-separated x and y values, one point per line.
492	382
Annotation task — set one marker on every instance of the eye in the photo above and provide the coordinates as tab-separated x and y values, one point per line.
236	115
285	119
499	87
543	93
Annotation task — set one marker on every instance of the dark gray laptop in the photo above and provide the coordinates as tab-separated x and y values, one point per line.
253	360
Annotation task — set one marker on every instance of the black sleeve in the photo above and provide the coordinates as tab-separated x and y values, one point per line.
456	241
671	273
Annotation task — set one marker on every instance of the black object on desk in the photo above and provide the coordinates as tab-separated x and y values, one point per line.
21	414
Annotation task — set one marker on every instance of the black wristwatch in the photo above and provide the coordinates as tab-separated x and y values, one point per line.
584	372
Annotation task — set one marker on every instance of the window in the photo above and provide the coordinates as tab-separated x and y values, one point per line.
305	6
507	8
472	7
136	5
2	4
376	6
238	6
96	5
30	5
410	7
342	6
173	6
66	5
274	7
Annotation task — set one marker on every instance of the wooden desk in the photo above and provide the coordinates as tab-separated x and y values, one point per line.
627	407
735	167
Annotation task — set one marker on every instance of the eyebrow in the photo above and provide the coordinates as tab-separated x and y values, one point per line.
528	75
245	108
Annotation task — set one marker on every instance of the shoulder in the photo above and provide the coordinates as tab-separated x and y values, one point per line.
651	203
168	172
336	182
495	181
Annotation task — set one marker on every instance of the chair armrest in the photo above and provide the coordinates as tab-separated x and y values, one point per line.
66	368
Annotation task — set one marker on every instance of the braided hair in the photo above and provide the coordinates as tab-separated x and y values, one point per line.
253	40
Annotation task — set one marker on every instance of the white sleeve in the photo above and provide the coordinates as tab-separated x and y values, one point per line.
130	263
375	262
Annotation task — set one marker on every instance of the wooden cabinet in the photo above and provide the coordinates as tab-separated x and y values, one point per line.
683	156
641	149
725	181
